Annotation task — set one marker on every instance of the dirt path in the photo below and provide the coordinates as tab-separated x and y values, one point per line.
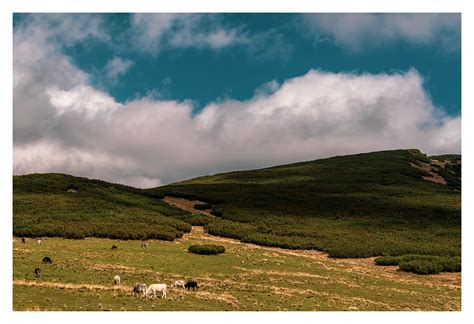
185	204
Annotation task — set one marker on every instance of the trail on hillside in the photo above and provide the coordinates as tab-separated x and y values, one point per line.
186	204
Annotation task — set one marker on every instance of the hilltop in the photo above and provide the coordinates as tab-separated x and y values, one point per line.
381	203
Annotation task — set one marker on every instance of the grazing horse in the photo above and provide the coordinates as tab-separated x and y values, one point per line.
116	280
39	242
178	283
191	284
114	247
139	288
47	259
144	245
23	240
156	288
37	272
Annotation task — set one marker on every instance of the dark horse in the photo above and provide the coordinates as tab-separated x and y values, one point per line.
37	272
191	284
47	259
114	247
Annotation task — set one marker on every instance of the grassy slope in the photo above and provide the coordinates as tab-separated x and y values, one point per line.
243	278
351	206
43	207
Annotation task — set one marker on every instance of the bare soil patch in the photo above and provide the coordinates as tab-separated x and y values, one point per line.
185	204
436	178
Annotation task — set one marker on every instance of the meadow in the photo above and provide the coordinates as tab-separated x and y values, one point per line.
245	277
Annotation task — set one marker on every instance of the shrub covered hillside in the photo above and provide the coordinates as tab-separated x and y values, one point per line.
66	206
381	203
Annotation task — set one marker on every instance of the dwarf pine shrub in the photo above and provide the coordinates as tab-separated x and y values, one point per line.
207	249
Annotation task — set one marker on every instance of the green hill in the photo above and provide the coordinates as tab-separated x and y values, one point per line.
65	206
381	203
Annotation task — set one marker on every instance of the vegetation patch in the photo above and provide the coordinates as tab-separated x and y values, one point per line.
422	264
202	206
207	249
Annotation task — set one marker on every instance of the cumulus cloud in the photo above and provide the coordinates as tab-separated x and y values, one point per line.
359	31
64	124
154	31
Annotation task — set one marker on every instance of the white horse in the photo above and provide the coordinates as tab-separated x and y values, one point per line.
117	280
156	288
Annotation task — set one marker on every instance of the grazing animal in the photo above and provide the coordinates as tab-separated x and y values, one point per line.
116	280
47	259
23	240
191	284
144	245
114	247
156	288
37	272
39	242
139	288
178	283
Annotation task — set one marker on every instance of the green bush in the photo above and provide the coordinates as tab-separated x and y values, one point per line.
207	249
202	206
217	212
422	264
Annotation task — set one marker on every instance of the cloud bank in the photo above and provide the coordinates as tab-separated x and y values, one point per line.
361	31
62	123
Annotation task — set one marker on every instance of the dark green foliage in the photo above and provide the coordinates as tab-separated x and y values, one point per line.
422	264
217	212
359	205
202	206
72	186
195	219
42	207
207	249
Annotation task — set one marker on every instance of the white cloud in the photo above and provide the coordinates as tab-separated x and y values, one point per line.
152	32
360	31
116	68
63	124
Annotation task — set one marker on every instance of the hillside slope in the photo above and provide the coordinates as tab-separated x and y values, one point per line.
65	206
381	203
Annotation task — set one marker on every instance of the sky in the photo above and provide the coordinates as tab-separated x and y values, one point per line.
150	99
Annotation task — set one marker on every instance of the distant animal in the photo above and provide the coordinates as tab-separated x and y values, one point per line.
37	272
139	289
39	242
116	280
114	247
23	240
47	259
144	245
178	283
191	284
156	288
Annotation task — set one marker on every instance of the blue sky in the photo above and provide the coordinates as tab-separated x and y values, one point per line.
381	81
205	75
